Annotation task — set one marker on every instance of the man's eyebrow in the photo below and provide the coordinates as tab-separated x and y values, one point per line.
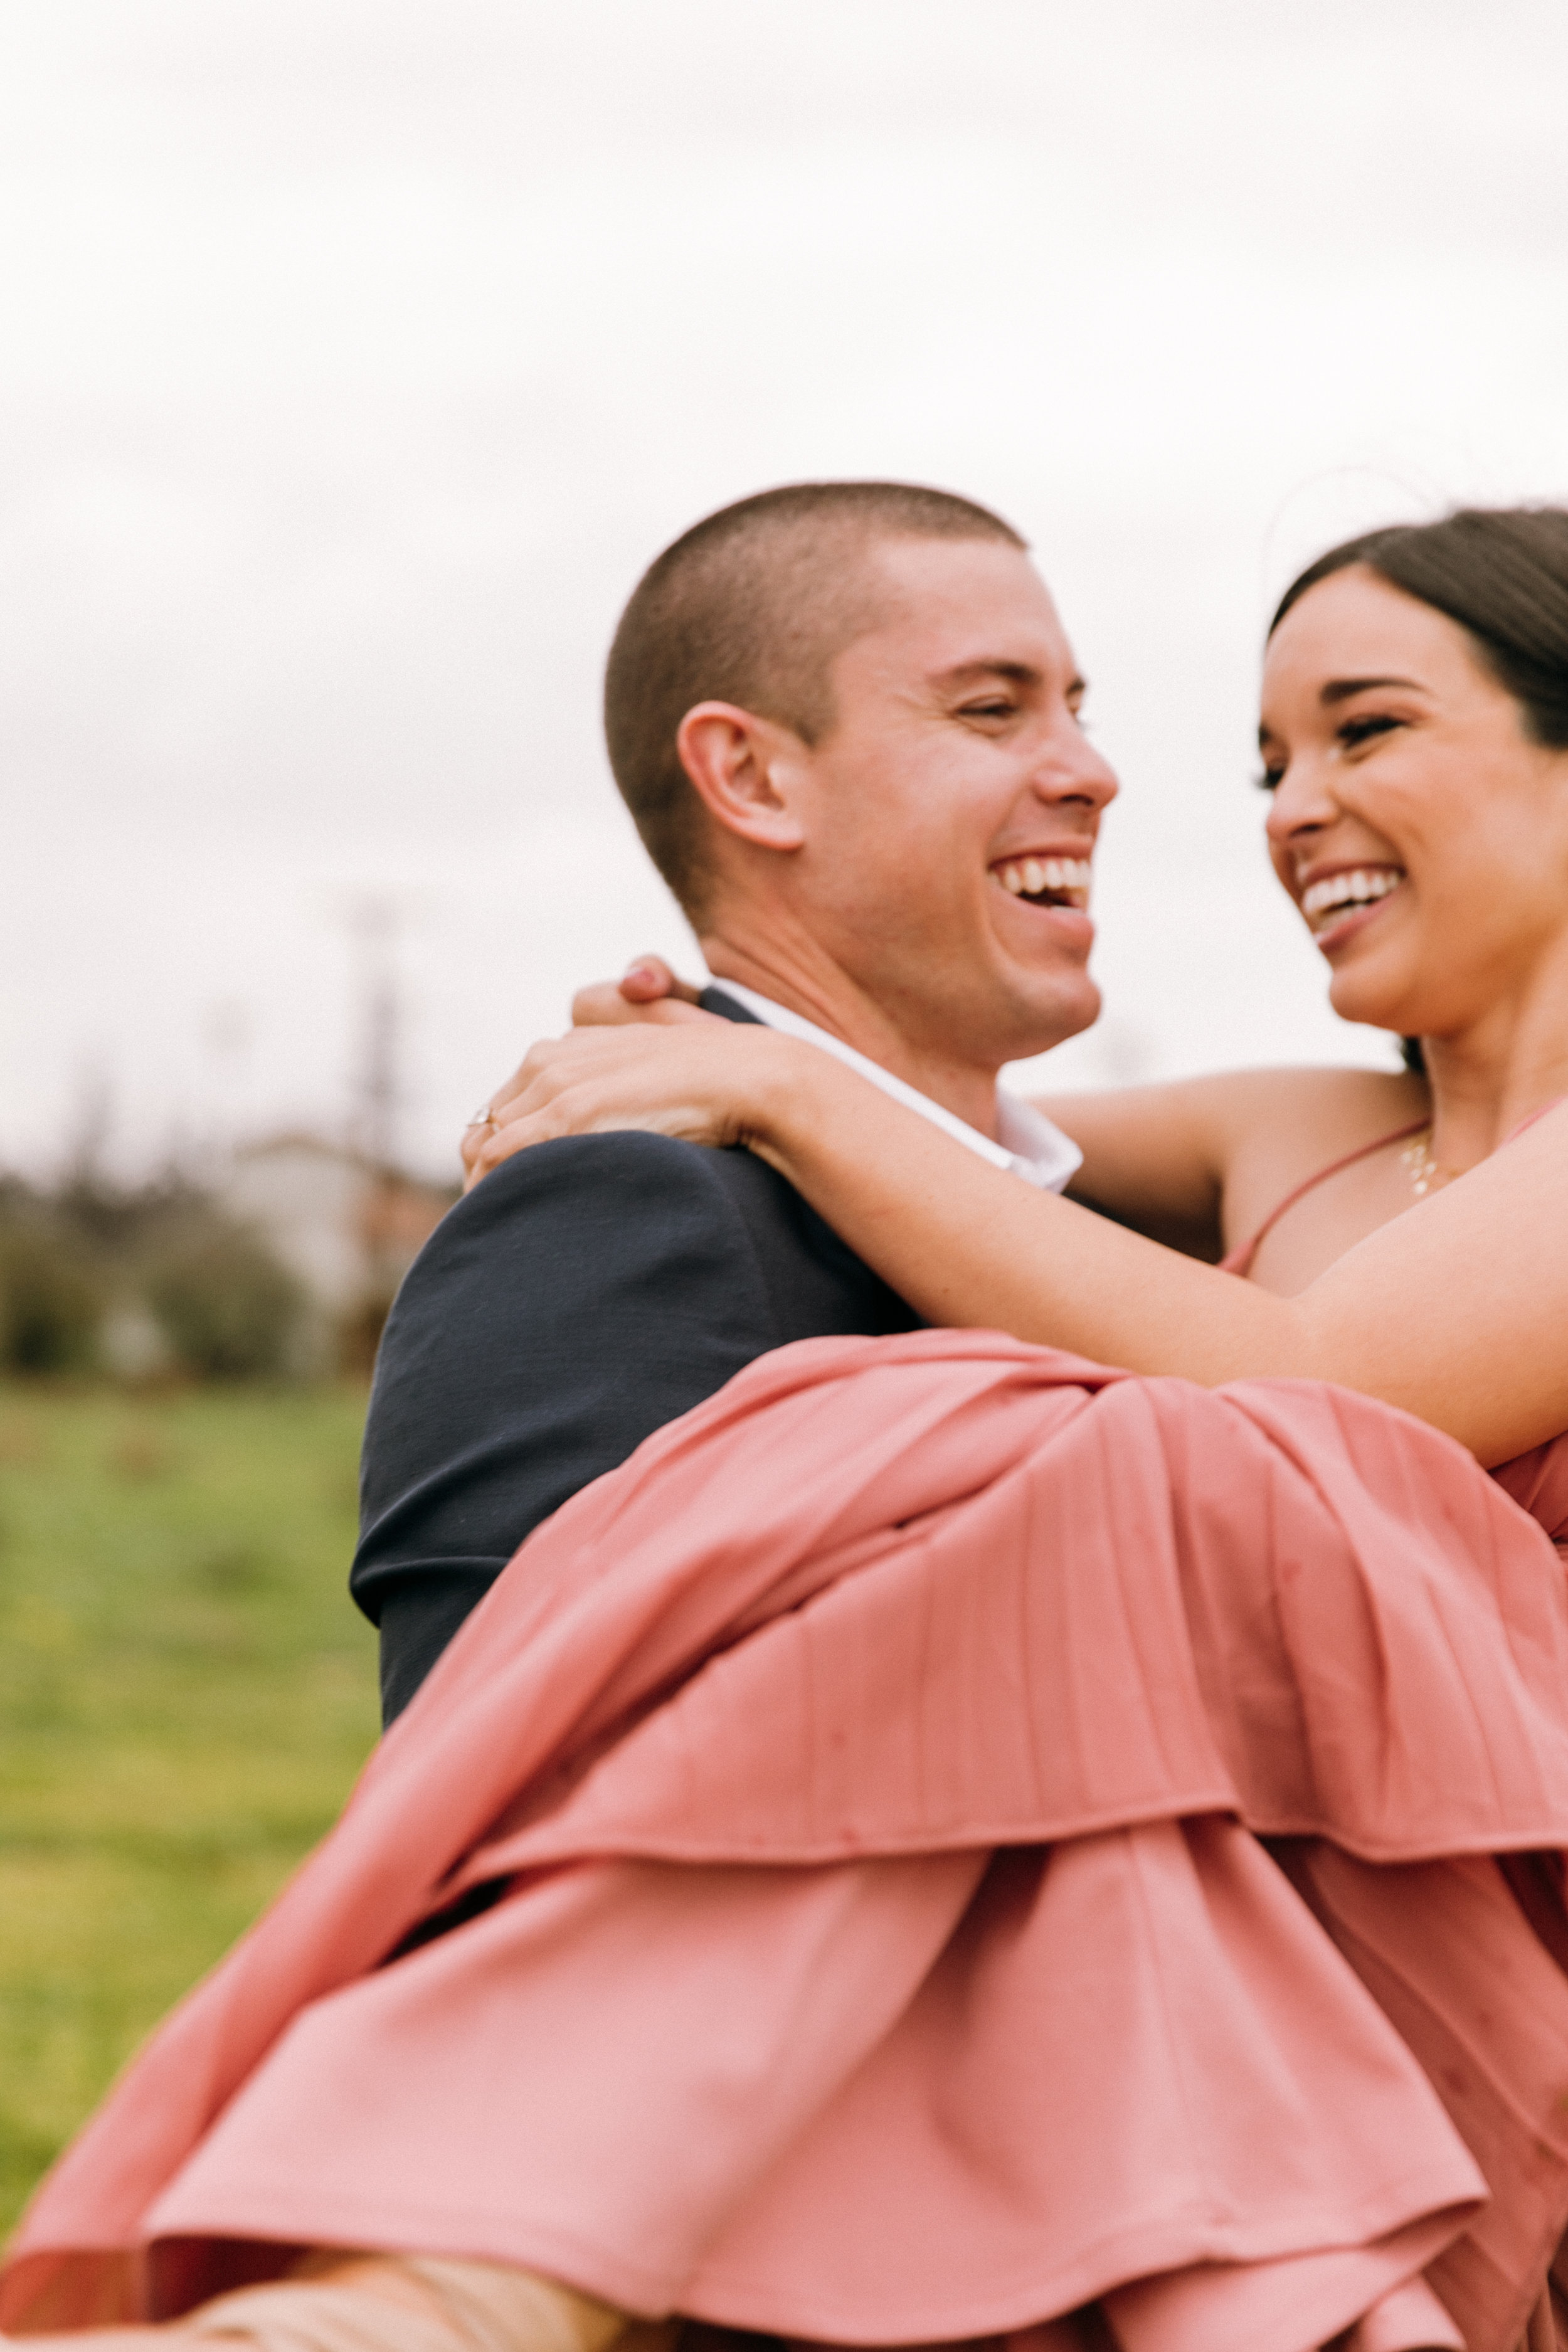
1018	673
1340	690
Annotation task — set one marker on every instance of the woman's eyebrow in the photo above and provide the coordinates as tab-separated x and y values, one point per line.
1340	690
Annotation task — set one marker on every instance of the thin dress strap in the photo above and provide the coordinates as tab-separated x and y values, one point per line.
1555	1104
1239	1260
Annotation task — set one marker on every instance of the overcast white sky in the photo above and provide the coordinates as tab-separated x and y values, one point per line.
358	354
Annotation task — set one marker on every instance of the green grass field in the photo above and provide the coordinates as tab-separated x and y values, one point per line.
185	1696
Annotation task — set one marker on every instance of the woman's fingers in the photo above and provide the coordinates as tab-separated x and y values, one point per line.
647	990
650	977
648	995
602	1006
469	1147
488	1121
504	1141
680	1083
527	1109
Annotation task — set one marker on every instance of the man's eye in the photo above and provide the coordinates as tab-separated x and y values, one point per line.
997	709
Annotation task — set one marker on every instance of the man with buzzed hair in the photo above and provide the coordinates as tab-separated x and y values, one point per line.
844	716
750	608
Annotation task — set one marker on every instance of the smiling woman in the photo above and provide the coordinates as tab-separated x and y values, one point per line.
1502	579
1410	804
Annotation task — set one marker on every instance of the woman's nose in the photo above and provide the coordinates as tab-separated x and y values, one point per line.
1302	804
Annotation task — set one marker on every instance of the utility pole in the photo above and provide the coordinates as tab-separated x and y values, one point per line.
377	1088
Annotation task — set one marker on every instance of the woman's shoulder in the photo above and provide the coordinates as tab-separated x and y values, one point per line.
1310	1107
1277	1130
1198	1151
1319	1082
1275	1114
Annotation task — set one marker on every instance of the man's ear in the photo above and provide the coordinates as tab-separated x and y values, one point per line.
740	766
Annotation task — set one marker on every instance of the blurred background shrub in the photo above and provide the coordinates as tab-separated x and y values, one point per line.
281	1266
53	1293
224	1304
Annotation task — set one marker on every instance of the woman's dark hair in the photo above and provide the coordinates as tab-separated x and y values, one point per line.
1502	573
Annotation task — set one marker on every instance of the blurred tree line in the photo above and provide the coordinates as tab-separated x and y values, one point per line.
138	1279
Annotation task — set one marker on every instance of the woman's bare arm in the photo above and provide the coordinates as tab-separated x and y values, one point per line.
1458	1311
1197	1163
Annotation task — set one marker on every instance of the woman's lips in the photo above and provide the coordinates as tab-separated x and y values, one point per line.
1341	930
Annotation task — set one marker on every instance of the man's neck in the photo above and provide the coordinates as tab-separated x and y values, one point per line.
808	983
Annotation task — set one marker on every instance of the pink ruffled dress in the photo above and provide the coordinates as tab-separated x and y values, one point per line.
949	1842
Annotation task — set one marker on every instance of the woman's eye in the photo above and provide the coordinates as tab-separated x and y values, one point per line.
1360	730
1269	780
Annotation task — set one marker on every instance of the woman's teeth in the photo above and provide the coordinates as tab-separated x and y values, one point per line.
1363	887
1061	878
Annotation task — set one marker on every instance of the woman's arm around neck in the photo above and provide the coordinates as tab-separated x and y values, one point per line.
1456	1311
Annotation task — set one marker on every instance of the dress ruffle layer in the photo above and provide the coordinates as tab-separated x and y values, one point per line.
981	1840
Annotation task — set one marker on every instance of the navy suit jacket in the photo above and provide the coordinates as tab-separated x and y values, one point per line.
586	1293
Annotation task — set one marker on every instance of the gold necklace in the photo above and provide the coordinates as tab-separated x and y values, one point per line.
1421	1168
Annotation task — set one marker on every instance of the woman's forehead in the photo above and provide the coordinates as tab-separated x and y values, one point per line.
1355	627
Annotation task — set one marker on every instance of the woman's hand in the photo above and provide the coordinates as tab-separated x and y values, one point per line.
647	993
708	1081
647	990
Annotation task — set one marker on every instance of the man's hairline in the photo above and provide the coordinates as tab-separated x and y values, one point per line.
994	666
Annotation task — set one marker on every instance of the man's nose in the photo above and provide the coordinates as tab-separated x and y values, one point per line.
1071	769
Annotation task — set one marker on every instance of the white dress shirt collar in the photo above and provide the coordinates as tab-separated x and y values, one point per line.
1029	1145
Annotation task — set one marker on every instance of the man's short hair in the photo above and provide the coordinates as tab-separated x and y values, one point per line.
751	606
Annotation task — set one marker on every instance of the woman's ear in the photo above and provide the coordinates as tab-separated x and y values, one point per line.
741	767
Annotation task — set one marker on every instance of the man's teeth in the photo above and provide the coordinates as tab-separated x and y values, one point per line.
1031	876
1361	887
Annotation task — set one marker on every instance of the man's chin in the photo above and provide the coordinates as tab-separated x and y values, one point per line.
1050	1017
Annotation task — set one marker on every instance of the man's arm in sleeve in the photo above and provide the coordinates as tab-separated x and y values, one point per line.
586	1293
